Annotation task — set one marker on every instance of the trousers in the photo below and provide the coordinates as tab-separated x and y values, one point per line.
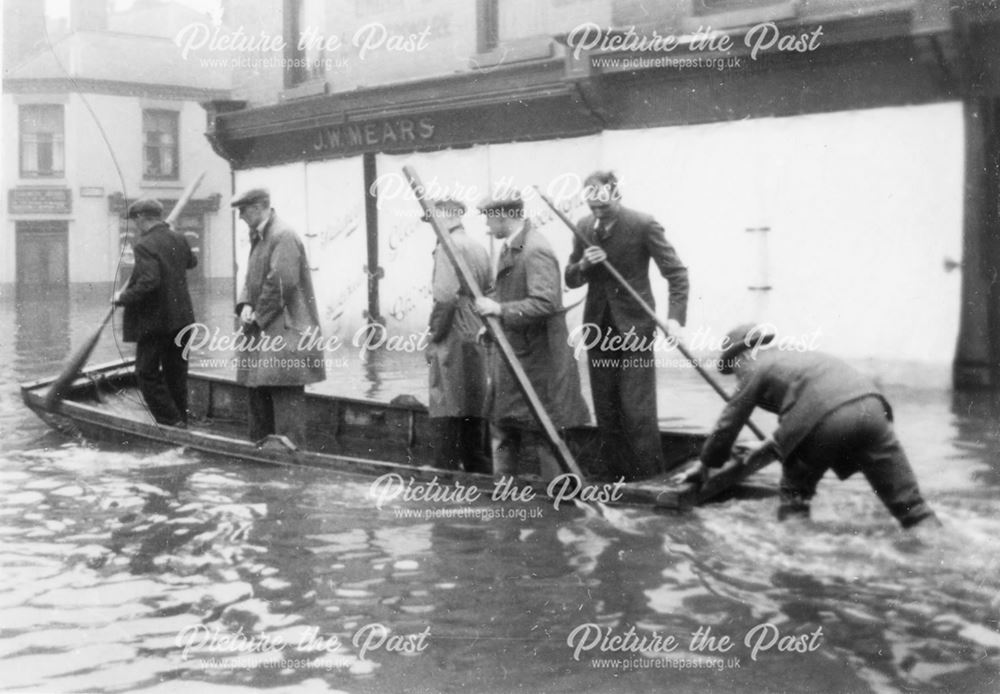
516	448
161	373
623	386
277	410
460	444
857	436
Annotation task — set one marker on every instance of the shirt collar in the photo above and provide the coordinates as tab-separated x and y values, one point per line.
607	225
264	222
509	241
153	227
259	230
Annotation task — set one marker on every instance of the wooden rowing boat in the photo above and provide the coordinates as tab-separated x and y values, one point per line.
346	435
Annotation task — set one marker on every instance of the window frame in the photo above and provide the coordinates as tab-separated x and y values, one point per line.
175	173
58	143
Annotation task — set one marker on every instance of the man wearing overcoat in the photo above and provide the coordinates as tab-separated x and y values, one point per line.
527	298
277	309
157	307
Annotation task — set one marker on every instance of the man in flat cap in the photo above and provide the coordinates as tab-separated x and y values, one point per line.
157	307
623	381
457	360
527	298
830	416
277	301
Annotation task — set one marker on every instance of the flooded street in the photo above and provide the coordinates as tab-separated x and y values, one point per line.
150	570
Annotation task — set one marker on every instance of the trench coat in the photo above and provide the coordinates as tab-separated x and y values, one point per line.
456	360
156	299
279	288
529	292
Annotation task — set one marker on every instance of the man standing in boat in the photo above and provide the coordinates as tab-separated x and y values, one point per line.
157	307
623	379
277	310
456	359
527	298
830	416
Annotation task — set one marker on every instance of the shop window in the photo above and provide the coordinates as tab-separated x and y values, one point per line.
42	141
160	152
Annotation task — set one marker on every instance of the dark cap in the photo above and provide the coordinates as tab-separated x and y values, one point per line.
503	205
251	197
445	208
145	207
740	339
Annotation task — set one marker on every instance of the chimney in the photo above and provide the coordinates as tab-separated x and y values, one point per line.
23	28
88	15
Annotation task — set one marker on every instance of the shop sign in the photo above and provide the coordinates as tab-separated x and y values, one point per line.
380	134
40	201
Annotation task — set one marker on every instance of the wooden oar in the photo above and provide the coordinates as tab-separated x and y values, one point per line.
82	354
496	331
648	310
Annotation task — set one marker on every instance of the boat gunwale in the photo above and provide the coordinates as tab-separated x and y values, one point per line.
250	451
651	493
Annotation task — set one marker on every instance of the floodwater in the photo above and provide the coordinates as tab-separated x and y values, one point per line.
152	570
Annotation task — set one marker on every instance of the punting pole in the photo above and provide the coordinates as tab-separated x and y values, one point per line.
648	310
496	332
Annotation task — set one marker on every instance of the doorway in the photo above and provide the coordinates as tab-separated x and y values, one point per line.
42	257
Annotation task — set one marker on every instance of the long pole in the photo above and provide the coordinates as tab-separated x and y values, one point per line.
496	331
648	310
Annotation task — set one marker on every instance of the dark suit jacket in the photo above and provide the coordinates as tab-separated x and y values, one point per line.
156	300
800	387
635	239
530	296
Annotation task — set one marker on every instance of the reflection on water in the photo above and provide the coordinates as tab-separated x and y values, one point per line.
134	569
41	329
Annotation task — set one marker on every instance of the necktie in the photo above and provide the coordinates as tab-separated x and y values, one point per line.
601	230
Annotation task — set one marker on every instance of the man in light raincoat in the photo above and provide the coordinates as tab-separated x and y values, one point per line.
457	361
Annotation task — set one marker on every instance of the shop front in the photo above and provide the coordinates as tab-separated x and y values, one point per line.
820	192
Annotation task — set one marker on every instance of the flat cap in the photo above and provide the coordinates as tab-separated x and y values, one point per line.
749	336
146	207
446	207
506	203
252	196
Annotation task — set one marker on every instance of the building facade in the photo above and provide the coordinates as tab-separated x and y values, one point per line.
820	164
92	122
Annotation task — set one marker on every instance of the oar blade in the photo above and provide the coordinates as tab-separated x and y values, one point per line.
74	364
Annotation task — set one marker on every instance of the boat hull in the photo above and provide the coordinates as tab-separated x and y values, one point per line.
345	435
